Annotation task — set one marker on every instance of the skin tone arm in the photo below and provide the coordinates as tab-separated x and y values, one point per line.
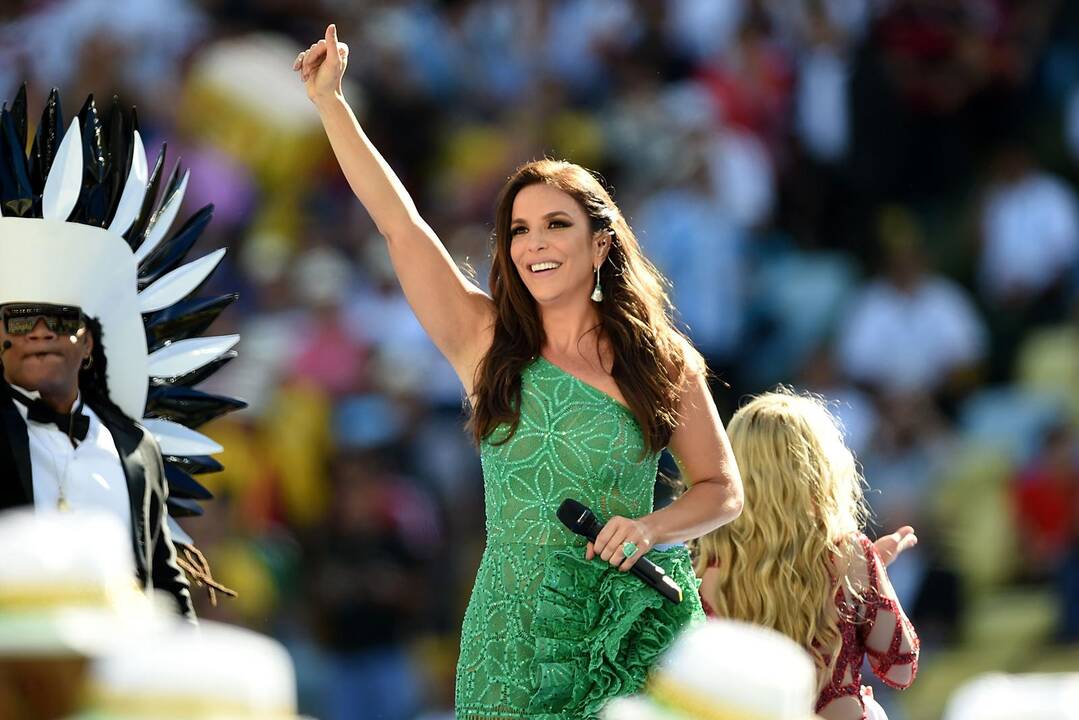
880	637
714	497
455	313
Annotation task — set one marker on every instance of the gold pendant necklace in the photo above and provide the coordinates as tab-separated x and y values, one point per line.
62	504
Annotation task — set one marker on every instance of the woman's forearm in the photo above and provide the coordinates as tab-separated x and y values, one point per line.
369	175
706	505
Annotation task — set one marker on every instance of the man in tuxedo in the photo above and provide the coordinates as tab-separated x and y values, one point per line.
65	446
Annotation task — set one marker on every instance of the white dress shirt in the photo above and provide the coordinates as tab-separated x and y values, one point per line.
90	475
1031	231
911	340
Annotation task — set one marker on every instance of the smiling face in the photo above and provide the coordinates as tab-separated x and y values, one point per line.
552	245
44	360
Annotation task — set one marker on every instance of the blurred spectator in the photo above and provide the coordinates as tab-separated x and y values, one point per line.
702	29
1047	503
366	569
853	408
752	81
1030	230
1046	363
326	355
405	361
905	466
59	43
1071	123
700	250
912	446
822	113
743	177
910	330
580	34
796	299
1068	596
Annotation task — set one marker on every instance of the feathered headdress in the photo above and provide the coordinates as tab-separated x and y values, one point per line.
86	222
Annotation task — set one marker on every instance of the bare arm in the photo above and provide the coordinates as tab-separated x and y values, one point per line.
714	496
891	644
455	313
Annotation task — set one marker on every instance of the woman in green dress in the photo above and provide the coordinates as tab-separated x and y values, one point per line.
577	380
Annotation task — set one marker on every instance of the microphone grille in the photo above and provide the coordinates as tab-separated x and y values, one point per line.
573	515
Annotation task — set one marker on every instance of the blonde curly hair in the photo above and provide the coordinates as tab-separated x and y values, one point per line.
777	562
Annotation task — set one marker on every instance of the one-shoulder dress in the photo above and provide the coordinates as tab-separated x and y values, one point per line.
548	634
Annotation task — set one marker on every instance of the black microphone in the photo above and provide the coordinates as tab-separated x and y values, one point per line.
583	521
5	347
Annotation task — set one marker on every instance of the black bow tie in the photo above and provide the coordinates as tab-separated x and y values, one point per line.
75	425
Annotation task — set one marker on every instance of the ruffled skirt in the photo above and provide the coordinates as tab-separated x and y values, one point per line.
561	643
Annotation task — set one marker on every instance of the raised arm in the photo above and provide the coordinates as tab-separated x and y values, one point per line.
455	313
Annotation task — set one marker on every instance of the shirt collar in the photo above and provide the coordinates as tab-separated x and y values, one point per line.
34	395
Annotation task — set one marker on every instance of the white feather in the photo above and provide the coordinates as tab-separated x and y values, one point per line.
179	283
64	182
134	190
164	219
175	439
183	356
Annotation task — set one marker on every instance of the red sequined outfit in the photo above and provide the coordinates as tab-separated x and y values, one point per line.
856	621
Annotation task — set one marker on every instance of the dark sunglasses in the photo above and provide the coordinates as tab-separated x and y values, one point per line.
60	319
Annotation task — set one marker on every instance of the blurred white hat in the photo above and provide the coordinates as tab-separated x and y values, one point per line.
1017	697
210	672
726	669
67	585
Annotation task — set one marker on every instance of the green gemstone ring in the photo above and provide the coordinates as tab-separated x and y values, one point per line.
629	549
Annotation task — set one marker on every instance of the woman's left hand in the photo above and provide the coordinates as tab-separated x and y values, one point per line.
891	546
616	533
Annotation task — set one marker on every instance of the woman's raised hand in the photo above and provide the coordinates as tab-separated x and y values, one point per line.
890	546
322	66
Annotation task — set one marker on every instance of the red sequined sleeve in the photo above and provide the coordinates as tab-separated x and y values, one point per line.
896	668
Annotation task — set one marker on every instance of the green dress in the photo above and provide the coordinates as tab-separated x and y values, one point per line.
548	634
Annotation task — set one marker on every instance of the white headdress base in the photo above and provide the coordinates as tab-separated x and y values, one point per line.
62	263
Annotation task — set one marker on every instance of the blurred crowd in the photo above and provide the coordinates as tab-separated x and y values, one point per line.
874	200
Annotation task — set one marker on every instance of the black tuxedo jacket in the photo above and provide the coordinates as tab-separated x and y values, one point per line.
140	458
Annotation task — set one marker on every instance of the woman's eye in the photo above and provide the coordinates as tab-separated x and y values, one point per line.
558	224
516	231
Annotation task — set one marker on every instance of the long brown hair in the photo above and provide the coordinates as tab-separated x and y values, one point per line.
650	354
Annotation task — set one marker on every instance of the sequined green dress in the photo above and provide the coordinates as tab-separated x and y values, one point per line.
548	634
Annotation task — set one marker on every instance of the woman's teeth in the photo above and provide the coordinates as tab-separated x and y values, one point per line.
539	267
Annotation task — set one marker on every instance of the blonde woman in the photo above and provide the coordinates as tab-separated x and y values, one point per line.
797	559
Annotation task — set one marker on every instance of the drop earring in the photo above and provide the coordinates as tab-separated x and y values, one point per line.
597	294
